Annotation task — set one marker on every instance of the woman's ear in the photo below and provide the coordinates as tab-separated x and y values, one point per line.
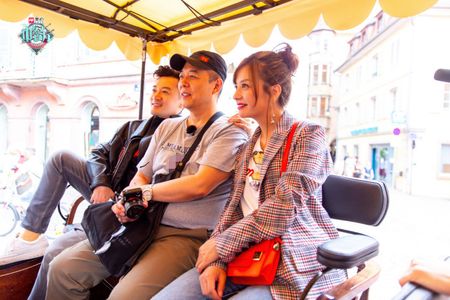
275	91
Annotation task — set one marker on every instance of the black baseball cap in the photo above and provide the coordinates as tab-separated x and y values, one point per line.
205	60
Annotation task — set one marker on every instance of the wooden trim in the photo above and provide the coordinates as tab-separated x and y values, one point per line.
73	210
355	285
17	279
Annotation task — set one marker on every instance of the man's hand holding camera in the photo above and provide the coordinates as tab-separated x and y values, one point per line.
132	203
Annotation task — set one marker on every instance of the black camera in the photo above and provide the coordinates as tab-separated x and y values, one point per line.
133	203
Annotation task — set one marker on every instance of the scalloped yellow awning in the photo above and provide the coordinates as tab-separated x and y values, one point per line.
295	19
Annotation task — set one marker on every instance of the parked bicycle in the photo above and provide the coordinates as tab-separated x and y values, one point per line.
13	202
18	183
19	178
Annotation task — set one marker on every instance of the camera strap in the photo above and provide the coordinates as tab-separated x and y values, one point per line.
180	165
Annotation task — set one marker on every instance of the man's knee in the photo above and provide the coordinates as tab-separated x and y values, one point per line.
58	268
58	157
52	251
63	242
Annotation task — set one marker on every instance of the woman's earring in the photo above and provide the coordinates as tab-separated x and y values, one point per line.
272	120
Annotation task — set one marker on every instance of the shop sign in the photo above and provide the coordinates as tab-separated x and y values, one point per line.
35	34
364	131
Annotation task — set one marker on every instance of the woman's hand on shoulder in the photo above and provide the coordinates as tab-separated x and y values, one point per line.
245	123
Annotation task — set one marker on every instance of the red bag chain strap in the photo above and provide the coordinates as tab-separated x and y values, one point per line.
288	147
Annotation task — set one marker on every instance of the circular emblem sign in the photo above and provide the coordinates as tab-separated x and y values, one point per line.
35	34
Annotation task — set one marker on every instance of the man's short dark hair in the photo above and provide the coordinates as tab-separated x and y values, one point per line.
166	71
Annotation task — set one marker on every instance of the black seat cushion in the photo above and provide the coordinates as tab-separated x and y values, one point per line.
347	251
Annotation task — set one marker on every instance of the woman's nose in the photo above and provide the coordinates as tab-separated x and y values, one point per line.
236	95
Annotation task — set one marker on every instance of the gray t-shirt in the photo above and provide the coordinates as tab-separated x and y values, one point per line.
217	149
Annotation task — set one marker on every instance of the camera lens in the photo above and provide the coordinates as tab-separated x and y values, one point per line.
134	211
134	208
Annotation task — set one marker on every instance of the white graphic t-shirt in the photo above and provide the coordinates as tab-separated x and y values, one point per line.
217	149
249	201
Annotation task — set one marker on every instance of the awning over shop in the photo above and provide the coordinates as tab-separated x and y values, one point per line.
179	25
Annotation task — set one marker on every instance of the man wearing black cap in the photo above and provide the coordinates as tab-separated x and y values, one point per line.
195	199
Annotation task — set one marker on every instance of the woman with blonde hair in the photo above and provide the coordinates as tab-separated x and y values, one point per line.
265	204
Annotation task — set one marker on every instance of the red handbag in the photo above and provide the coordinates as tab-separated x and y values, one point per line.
258	264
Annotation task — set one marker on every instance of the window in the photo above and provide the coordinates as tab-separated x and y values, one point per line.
373	106
352	47
90	120
363	37
380	24
394	52
445	158
42	132
319	106
315	74
446	100
345	116
347	82
374	66
357	113
355	151
344	150
325	44
358	76
317	45
324	106
394	101
313	109
324	74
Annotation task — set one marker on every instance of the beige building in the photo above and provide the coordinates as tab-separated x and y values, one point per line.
393	115
326	48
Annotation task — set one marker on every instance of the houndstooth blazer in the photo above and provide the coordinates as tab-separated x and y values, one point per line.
290	206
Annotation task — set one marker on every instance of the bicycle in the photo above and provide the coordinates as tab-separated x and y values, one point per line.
18	183
13	203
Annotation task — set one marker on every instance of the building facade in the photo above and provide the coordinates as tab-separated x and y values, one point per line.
392	113
65	97
320	108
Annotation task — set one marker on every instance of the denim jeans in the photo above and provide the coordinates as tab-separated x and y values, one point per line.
62	168
187	287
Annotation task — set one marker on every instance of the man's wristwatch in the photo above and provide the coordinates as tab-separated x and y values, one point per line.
147	192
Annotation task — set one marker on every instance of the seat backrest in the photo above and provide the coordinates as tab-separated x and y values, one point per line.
355	200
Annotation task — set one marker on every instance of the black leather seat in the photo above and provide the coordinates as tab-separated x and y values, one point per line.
357	201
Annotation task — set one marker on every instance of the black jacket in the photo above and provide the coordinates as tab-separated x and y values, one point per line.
113	164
